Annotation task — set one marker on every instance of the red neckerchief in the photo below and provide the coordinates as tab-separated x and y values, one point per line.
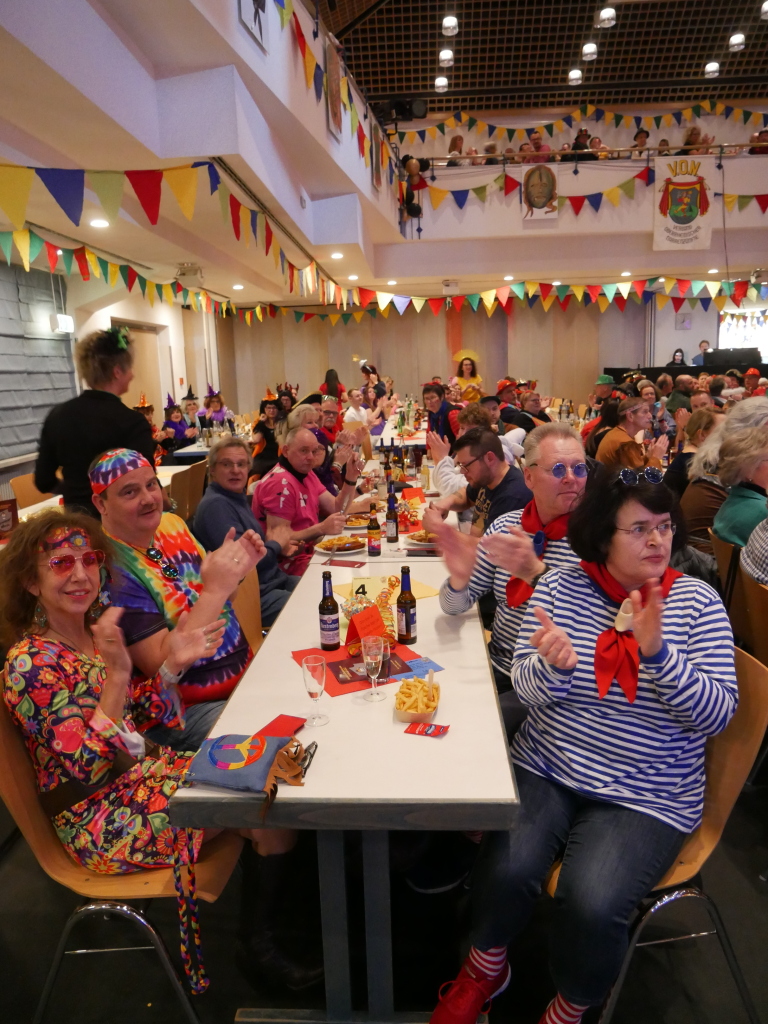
617	653
518	591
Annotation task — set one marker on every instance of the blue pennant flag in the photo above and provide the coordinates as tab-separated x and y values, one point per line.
594	200
587	298
67	189
678	116
599	114
529	131
254	222
651	176
728	111
568	119
422	134
638	121
532	300
318	82
213	175
461	197
705	303
491	129
647	296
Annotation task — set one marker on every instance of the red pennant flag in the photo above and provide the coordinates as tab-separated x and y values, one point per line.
545	289
53	256
643	175
507	306
82	263
132	275
594	290
234	213
241	314
683	286
458	302
216	307
510	184
308	316
272	310
435	305
739	291
148	186
267	236
366	296
178	286
677	301
565	302
338	296
299	34
361	139
762	202
639	287
620	301
577	202
420	184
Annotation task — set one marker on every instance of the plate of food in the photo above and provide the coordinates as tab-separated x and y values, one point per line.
417	699
357	520
421	539
337	544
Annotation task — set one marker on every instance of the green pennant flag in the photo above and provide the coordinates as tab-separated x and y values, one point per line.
108	186
373	312
474	301
727	287
617	119
561	201
519	289
323	316
657	120
6	241
223	194
401	136
124	273
471	122
298	315
583	108
549	128
610	291
441	127
142	284
510	134
480	192
561	289
752	294
696	286
637	298
743	202
104	268
159	291
697	110
67	255
346	317
650	282
184	296
35	245
628	187
746	115
354	118
692	302
499	181
285	12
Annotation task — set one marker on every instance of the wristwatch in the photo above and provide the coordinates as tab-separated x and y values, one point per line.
350	483
538	575
168	677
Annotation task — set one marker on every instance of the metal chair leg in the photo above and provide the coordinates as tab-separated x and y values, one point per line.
645	916
131	914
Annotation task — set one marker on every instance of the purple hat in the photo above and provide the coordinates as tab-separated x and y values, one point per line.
114	464
170	401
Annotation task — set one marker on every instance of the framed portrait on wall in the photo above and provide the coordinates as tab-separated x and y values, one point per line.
333	91
376	152
253	15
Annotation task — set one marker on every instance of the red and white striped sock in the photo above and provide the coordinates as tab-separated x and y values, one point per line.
491	963
560	1011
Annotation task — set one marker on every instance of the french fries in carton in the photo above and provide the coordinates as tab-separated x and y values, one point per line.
417	699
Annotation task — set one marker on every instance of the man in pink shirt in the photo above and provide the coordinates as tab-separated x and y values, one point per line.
541	151
290	494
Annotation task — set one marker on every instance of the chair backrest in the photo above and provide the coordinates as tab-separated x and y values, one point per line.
25	492
731	579
247	605
757	609
179	492
198	472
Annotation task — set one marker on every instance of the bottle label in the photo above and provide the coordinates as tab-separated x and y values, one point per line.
391	529
374	543
329	629
403	628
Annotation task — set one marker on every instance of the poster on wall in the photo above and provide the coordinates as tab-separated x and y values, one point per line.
253	14
540	193
333	91
376	153
682	218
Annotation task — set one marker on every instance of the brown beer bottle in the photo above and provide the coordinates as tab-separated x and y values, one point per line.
392	527
374	533
330	638
406	609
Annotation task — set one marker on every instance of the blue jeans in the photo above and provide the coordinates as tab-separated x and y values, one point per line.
199	720
273	602
612	857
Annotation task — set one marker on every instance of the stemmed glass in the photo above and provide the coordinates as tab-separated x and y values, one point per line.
314	680
373	654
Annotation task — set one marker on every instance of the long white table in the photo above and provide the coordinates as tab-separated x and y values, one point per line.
368	774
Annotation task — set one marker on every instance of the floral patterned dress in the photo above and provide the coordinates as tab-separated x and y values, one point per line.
52	692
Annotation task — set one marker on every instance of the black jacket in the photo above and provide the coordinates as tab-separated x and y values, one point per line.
75	432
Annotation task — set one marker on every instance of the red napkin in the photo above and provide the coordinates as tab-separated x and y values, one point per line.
332	686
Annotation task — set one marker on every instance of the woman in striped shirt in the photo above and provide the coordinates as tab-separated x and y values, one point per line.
626	667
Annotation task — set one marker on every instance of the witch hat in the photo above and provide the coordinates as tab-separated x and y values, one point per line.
189	397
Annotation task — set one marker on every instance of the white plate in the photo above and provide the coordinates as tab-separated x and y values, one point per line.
419	543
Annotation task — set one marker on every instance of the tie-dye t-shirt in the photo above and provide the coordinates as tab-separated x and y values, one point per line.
152	603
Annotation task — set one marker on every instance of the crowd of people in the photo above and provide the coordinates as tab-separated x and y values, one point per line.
122	644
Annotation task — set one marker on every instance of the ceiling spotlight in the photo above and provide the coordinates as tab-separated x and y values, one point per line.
510	277
450	25
446	57
574	77
441	84
764	11
589	51
556	283
99	223
353	277
714	270
237	287
391	282
337	255
712	70
661	280
606	18
736	42
59	252
626	273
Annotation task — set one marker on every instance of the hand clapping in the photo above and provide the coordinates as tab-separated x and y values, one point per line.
552	643
646	622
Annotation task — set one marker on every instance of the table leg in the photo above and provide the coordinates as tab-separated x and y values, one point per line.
378	925
333	906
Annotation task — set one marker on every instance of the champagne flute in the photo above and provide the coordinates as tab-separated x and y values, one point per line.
313	668
373	650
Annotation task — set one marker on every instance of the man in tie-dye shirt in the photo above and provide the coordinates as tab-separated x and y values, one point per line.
162	574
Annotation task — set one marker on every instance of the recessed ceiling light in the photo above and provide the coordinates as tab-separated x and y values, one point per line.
661	280
736	42
712	69
441	84
445	60
450	25
337	255
607	17
714	270
556	283
59	252
353	277
391	282
626	273
510	277
237	287
589	51
574	77
99	223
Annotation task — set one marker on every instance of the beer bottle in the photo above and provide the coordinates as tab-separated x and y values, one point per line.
392	531
374	533
329	617
406	609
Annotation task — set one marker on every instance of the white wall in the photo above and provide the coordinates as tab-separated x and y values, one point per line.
667	339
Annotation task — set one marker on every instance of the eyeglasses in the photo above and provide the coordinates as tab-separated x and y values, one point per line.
166	568
464	466
632	478
226	464
559	470
637	532
63	565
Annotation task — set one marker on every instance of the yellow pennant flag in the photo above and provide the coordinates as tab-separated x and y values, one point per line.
648	122
344	89
334	318
613	195
367	151
276	254
358	314
480	126
624	288
720	301
490	309
730	200
385	312
114	273
521	134
437	195
757	117
713	287
530	287
193	300
21	241
559	126
688	113
706	105
603	302
418	303
667	119
384	299
183	183
662	300
94	263
245	225
590	110
669	284
450	123
432	132
608	116
488	298
15	183
411	138
737	113
627	122
576	115
168	294
260	313
309	67
150	293
546	303
719	108
578	291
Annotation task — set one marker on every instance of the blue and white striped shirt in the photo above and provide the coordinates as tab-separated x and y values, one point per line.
488	577
648	755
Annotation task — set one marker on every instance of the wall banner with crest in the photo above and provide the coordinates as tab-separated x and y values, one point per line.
683	216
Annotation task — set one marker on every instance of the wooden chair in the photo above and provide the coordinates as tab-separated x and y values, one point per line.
198	472
729	758
732	581
247	605
582	410
756	596
25	492
178	490
106	894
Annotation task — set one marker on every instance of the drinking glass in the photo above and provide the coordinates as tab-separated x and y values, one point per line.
373	652
314	680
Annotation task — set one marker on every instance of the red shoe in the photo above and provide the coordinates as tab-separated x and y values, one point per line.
463	1000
